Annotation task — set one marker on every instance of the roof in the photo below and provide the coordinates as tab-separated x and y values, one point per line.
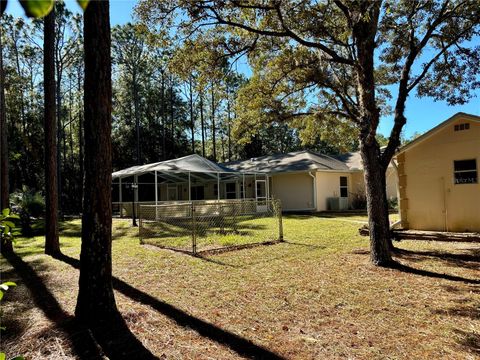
353	160
437	128
291	162
191	163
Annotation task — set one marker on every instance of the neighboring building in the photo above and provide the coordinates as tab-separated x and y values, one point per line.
438	177
309	181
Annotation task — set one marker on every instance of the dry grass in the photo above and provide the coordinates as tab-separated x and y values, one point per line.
314	297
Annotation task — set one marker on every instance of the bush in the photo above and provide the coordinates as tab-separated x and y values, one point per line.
29	204
393	203
359	201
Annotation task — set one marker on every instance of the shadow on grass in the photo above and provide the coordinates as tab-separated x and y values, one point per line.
431	274
240	345
469	340
469	261
81	340
114	341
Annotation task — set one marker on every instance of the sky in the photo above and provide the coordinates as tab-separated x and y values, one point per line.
422	113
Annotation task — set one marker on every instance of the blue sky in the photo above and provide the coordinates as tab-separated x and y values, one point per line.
422	113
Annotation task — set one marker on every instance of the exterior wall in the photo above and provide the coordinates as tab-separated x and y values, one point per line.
358	183
295	191
328	185
429	198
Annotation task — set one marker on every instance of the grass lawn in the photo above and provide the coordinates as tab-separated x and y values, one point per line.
313	297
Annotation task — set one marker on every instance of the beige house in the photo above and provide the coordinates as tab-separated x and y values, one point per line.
309	181
438	177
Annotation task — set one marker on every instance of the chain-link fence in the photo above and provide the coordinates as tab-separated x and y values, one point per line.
201	226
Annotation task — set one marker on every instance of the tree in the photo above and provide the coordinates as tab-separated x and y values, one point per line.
347	55
4	191
96	302
52	244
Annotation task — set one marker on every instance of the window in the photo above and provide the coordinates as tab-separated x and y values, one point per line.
231	190
343	186
197	193
465	171
215	190
460	127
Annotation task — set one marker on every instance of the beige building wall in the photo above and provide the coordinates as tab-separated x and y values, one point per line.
328	185
358	183
429	198
295	191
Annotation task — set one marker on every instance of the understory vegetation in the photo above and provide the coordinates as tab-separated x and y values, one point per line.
314	296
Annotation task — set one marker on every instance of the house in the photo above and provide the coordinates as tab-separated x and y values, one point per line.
309	181
438	177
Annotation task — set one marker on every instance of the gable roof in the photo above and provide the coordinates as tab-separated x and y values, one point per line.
442	125
191	163
291	162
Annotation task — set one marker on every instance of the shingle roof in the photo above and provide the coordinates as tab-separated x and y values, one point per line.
353	160
290	162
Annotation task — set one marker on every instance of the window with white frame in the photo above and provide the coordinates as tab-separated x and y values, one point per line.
343	186
465	171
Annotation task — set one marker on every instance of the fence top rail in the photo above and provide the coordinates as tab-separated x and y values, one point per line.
207	202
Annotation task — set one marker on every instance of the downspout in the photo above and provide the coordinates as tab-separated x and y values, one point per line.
314	190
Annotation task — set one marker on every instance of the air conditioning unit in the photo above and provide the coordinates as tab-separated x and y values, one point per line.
337	203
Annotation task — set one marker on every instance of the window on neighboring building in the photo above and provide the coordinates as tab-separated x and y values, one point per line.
465	171
231	190
460	127
198	192
343	186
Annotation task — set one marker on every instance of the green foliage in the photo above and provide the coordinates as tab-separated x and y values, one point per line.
29	204
28	201
38	8
7	224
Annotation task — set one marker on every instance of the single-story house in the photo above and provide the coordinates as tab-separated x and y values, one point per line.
438	177
310	181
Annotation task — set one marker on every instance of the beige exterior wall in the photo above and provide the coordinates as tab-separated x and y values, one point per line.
358	183
429	198
295	191
328	185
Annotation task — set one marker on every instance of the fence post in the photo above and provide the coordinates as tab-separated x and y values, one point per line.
140	226
280	221
194	229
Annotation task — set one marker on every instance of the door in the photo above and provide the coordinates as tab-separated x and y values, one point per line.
261	195
172	193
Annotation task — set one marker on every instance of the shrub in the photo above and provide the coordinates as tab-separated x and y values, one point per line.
359	201
29	204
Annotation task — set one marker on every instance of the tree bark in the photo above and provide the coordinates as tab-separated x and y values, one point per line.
202	124
52	245
6	245
96	302
192	120
377	206
4	192
213	126
364	32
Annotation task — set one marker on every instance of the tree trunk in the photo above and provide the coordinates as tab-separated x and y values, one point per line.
59	125
4	192
96	302
81	145
364	32
202	124
52	245
6	244
377	207
172	121
192	120
213	126
164	147
137	115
